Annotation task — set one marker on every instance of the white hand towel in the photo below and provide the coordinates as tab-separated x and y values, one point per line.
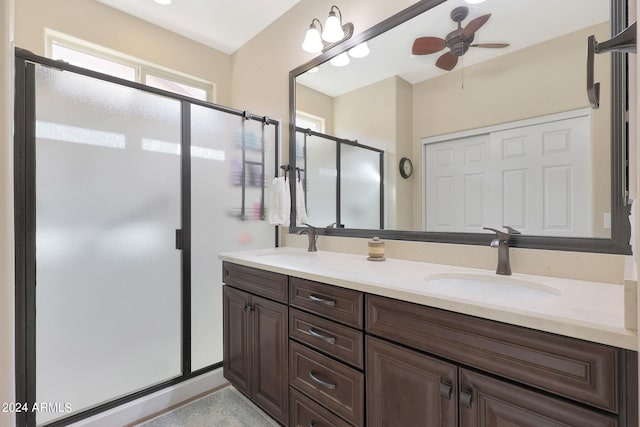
301	209
279	202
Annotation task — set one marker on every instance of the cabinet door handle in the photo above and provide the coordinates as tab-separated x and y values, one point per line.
325	301
326	338
445	391
321	382
247	307
465	398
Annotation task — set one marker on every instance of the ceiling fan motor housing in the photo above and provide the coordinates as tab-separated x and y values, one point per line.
458	45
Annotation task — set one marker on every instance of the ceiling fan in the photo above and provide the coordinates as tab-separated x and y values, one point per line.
458	41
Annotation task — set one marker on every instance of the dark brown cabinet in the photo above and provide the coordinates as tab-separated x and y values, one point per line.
407	388
256	349
487	402
312	354
533	378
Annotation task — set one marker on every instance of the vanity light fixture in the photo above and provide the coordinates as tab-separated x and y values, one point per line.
312	42
340	60
319	38
359	51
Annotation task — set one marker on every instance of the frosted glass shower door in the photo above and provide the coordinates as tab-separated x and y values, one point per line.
217	221
108	294
321	181
360	193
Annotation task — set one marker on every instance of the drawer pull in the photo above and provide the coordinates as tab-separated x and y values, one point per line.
315	298
321	382
326	338
465	398
445	391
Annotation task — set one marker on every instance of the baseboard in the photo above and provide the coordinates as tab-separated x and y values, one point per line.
155	403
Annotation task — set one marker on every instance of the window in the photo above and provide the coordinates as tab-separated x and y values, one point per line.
309	121
97	58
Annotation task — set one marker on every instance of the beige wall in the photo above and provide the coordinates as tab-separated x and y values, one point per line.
313	102
94	22
7	346
261	67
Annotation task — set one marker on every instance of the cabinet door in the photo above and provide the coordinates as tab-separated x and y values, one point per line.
488	402
237	352
270	357
407	388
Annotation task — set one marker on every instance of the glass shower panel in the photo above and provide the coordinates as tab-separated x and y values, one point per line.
217	220
359	187
321	181
108	278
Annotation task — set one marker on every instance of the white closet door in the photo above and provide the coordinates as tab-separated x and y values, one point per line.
536	178
545	177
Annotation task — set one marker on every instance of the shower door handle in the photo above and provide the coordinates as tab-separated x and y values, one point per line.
179	240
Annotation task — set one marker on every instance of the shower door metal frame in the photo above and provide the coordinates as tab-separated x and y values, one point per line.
25	232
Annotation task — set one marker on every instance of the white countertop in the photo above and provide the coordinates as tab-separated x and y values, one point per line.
588	310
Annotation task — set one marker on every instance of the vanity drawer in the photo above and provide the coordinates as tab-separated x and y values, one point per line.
338	304
339	341
305	412
259	282
580	370
332	384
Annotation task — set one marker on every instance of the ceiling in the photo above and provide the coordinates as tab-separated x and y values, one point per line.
224	25
520	23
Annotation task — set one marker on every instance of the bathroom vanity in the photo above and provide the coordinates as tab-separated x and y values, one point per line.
332	339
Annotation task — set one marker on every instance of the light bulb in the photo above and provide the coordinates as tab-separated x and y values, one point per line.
359	51
340	60
312	42
332	29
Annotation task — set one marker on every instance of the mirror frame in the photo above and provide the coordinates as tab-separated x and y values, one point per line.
618	243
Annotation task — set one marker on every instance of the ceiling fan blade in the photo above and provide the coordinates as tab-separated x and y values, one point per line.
490	45
447	61
474	25
427	45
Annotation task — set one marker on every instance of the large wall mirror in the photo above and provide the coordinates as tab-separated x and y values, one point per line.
500	135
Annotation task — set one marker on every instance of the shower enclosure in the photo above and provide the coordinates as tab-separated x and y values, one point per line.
342	179
125	195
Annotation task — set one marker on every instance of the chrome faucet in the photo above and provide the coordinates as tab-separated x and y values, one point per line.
500	242
310	231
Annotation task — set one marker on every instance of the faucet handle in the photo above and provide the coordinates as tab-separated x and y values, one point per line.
499	234
511	230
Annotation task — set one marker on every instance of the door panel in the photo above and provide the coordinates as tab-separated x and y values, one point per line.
108	283
237	352
488	402
270	357
406	388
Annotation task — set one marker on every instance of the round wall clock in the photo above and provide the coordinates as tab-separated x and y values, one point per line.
406	167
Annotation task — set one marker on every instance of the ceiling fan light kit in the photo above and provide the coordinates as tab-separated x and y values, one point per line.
458	41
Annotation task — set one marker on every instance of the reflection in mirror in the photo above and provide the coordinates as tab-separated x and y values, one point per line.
504	138
342	180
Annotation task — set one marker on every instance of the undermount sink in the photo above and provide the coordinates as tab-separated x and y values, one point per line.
488	287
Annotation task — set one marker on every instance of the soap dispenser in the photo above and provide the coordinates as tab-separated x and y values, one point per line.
376	249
